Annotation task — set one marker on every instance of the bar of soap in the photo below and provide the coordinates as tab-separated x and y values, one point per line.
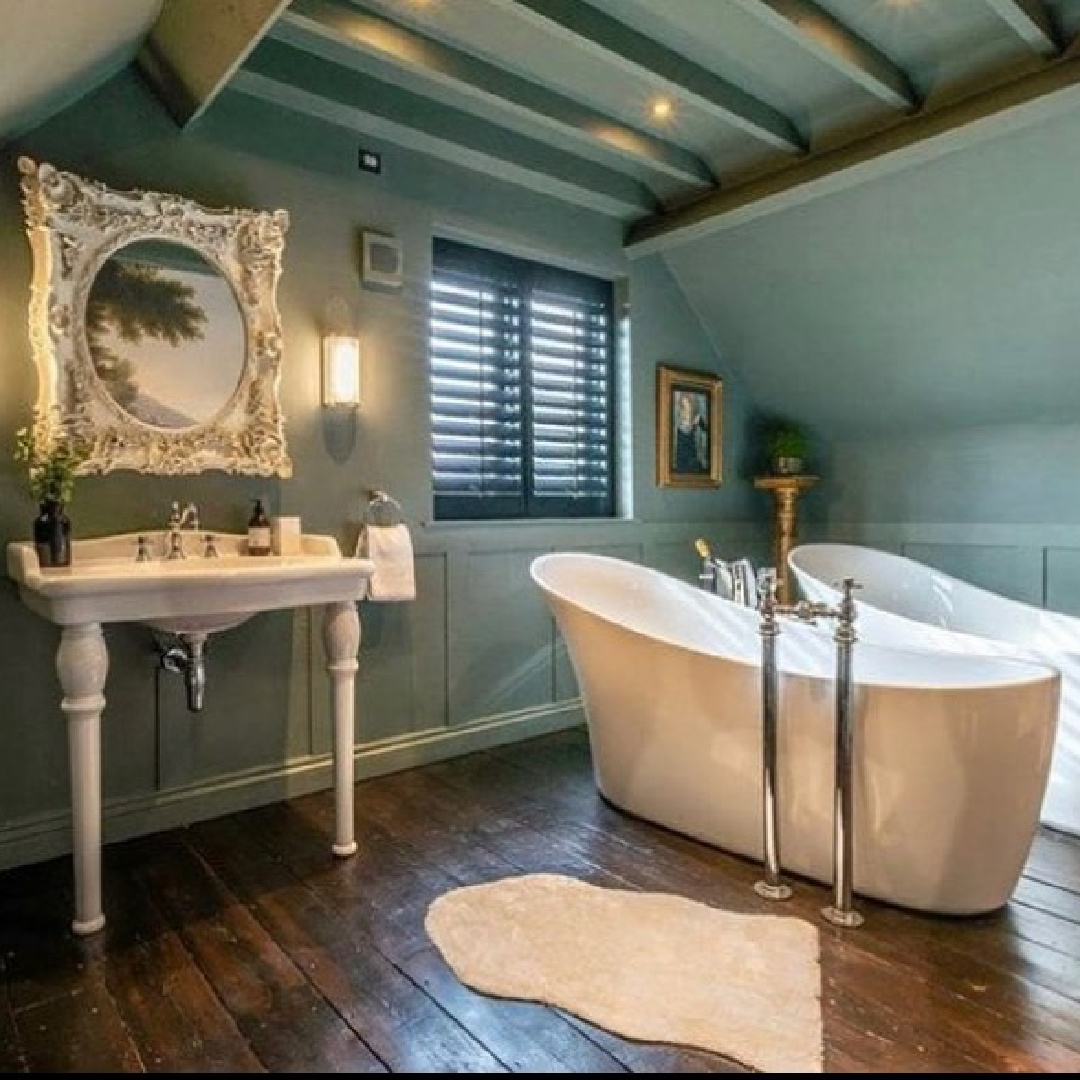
285	535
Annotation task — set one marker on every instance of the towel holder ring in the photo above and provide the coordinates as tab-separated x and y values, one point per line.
383	509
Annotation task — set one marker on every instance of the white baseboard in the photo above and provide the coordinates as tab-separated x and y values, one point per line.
49	836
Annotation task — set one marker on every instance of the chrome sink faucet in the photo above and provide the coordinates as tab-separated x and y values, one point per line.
181	521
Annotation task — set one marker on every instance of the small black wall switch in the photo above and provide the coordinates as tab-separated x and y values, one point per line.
369	161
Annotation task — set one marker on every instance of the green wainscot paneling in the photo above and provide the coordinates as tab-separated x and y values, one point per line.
1063	580
1015	572
501	636
401	685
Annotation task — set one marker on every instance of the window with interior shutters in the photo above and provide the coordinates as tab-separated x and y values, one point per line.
521	359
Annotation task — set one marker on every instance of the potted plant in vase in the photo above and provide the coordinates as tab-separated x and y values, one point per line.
51	463
788	447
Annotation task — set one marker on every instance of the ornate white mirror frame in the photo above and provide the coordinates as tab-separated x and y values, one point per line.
74	226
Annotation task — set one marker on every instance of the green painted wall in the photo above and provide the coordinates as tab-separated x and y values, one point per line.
474	660
926	325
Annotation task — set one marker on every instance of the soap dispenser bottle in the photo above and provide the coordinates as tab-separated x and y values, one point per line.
258	535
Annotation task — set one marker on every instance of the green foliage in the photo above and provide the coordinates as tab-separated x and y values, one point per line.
51	461
136	301
788	440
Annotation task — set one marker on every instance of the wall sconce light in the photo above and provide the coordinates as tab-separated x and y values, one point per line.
340	372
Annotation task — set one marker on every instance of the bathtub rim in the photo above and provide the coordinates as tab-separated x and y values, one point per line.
991	597
1038	671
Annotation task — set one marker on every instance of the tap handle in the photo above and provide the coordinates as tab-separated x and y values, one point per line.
767	588
767	608
847	603
176	545
211	551
174	515
142	549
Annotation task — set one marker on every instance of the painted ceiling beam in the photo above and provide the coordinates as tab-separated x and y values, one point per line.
819	33
346	35
292	79
1046	92
589	29
195	47
1031	21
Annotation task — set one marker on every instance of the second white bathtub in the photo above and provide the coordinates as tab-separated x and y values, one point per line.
907	603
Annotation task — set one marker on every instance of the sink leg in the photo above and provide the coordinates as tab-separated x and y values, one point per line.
341	639
82	663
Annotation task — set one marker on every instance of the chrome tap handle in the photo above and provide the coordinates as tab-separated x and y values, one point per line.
766	583
142	549
848	610
176	544
707	577
174	516
190	517
767	607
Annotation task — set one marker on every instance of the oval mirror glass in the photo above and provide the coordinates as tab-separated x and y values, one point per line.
165	333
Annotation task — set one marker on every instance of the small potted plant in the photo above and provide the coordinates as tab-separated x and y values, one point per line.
51	462
788	447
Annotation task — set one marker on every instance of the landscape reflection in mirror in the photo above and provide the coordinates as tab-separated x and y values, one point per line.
165	333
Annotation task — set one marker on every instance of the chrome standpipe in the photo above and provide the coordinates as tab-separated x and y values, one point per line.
841	912
770	887
187	657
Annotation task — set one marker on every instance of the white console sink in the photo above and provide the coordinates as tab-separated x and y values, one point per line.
192	597
195	594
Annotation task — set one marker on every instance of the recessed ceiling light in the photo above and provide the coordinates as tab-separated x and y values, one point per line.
662	108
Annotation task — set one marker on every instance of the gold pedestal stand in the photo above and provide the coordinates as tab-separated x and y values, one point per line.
786	489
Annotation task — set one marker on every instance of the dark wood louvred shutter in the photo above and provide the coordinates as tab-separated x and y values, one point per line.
569	379
476	398
521	388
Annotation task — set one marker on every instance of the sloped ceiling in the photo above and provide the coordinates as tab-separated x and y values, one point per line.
938	297
53	51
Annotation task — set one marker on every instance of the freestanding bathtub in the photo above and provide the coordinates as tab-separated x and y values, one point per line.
670	678
908	603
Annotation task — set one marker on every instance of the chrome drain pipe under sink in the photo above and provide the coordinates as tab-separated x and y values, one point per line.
187	657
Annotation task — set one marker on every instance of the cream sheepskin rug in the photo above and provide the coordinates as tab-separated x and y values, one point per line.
647	966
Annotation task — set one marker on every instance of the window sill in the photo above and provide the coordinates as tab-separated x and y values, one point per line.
528	523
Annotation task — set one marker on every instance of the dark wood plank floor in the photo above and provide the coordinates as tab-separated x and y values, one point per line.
241	945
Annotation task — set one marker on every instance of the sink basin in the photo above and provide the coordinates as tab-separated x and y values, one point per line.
193	595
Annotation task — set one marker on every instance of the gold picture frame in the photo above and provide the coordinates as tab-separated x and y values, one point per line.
688	427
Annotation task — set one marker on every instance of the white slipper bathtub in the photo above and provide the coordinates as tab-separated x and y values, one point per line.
909	604
670	678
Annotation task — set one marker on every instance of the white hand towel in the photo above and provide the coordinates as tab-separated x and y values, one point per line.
390	548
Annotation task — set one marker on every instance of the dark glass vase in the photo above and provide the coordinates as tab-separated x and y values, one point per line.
52	534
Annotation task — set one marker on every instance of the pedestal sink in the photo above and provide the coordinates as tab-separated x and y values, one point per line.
196	595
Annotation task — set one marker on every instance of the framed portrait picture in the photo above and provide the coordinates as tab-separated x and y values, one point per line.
688	427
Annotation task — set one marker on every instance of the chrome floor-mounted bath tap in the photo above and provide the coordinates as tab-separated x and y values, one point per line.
840	912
